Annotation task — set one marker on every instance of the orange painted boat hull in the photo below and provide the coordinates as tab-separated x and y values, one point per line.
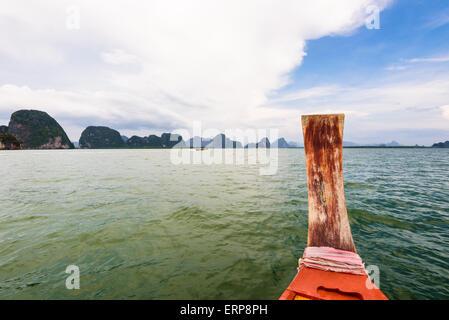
314	284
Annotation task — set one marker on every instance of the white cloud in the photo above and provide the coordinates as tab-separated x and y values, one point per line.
382	97
310	93
408	62
435	59
216	61
117	109
445	110
118	56
396	68
438	21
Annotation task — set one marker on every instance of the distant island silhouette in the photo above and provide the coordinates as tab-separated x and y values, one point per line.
34	129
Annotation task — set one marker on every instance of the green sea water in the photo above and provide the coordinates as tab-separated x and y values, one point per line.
140	227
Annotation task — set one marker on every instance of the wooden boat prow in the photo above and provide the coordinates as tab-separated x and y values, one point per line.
329	230
328	219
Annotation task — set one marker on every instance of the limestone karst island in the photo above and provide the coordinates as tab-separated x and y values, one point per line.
34	129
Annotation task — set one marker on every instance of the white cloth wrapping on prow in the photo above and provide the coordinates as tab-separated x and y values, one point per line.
331	259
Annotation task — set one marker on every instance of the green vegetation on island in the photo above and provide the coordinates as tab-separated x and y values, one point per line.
441	145
9	142
100	137
38	130
167	140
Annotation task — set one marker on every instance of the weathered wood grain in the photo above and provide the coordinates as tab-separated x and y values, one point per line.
323	145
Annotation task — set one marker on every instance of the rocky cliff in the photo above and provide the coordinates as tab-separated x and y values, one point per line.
38	130
9	142
167	140
280	143
264	143
151	141
100	138
222	142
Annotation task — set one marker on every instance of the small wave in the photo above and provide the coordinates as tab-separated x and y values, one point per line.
189	214
357	185
366	218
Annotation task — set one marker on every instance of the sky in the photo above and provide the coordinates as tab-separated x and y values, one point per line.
156	66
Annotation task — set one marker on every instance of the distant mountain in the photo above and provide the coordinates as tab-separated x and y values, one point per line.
441	145
280	143
353	144
197	142
169	140
220	141
76	144
136	141
99	138
263	143
391	144
37	130
294	144
33	129
150	141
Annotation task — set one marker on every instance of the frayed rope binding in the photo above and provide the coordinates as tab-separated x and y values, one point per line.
330	259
